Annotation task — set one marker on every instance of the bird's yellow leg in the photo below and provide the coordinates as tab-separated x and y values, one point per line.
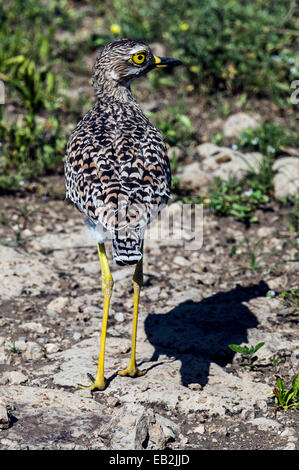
99	383
132	369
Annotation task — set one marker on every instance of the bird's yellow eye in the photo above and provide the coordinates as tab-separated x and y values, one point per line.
138	58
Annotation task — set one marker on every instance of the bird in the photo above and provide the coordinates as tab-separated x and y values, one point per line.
117	173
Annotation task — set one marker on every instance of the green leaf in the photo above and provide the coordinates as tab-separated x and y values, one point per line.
295	385
236	348
185	120
258	346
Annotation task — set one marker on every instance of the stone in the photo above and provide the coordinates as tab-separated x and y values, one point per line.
34	327
76	336
287	432
52	348
33	351
4	415
200	429
266	424
226	162
181	261
290	446
286	180
58	304
16	377
235	124
119	317
192	175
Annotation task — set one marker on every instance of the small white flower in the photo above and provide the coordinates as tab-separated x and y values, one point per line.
270	149
255	141
291	60
270	294
293	70
234	147
249	192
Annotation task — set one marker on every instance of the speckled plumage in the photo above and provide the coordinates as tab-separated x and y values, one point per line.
116	167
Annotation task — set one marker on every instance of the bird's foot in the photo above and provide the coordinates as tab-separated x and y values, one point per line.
131	371
99	383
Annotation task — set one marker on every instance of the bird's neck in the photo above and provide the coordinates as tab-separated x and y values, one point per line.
111	90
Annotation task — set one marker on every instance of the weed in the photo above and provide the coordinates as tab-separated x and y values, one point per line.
254	256
25	214
247	354
286	398
292	216
231	198
14	349
290	299
175	125
268	138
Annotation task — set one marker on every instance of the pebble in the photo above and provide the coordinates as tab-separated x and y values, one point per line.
112	402
247	414
287	432
58	304
286	177
181	261
200	429
266	424
16	377
20	345
119	316
34	327
290	446
235	124
52	348
4	415
33	351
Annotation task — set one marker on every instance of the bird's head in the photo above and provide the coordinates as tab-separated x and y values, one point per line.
125	60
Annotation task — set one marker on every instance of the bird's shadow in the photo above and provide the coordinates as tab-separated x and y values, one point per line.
198	333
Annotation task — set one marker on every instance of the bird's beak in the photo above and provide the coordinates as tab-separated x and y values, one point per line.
166	62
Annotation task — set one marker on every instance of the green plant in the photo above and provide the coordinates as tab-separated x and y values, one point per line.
34	84
230	46
247	353
293	213
290	299
29	149
232	198
24	215
174	124
254	256
286	398
14	349
268	138
31	133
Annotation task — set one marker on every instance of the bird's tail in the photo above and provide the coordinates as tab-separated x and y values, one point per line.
127	248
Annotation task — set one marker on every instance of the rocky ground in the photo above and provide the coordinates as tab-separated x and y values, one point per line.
196	301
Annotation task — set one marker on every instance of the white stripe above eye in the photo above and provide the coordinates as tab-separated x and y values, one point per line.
137	49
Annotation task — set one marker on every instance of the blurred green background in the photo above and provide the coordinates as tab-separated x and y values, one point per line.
238	54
